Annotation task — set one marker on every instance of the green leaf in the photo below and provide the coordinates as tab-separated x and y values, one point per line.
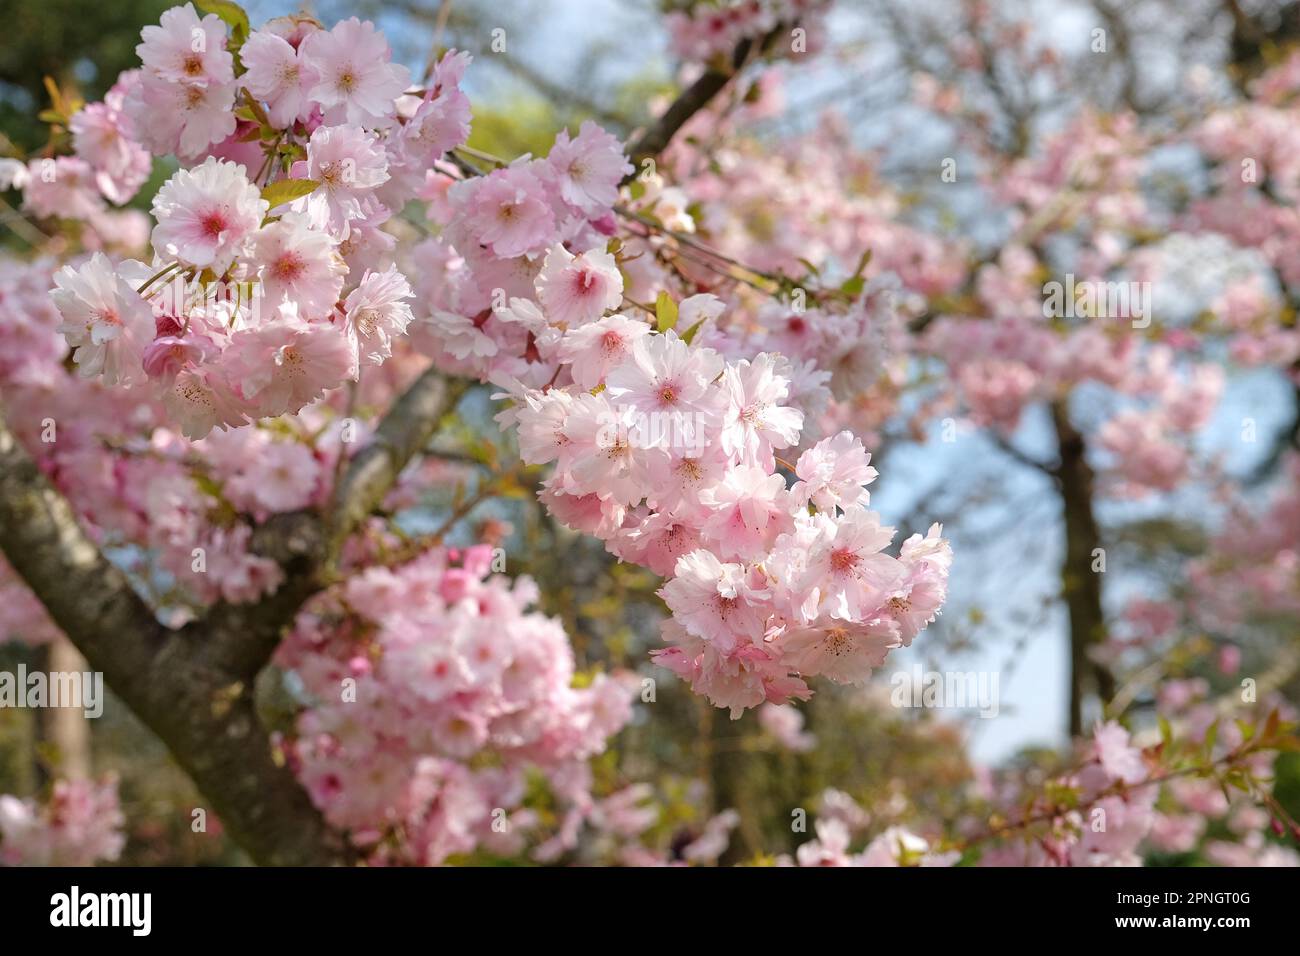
287	190
690	333
811	267
862	263
257	114
229	11
665	312
852	287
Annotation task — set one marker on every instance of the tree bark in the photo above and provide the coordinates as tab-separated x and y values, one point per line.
194	687
1080	584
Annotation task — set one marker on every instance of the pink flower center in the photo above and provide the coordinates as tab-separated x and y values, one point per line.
583	282
843	560
838	641
367	321
690	469
611	342
668	394
213	225
193	65
288	267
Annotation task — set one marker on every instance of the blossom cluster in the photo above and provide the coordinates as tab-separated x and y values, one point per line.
668	453
664	448
1123	816
79	825
107	163
431	691
271	282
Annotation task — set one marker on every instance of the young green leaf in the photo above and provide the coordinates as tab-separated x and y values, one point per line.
287	190
230	12
665	312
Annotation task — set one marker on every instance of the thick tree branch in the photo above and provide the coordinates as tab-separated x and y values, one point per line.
403	433
202	712
306	545
194	687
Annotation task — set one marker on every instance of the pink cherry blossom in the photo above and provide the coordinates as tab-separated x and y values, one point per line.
576	290
833	472
718	602
281	476
588	168
180	118
591	350
356	80
299	264
286	363
183	49
105	321
377	313
507	211
207	215
348	163
277	74
755	421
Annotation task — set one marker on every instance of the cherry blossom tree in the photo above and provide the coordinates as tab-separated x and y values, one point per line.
242	436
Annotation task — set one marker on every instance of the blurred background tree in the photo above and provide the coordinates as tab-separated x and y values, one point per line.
75	43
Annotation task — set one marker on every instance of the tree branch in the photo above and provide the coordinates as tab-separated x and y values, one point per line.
655	138
306	545
202	712
194	687
404	432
